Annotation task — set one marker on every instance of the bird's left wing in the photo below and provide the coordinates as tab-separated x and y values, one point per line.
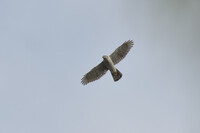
94	74
121	51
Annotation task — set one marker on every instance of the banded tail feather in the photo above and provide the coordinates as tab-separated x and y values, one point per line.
117	75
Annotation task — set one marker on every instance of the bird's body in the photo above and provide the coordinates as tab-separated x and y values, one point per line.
109	63
116	74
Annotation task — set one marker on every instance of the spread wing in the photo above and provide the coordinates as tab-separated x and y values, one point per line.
94	74
121	51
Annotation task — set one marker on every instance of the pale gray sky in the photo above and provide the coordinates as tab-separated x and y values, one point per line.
46	46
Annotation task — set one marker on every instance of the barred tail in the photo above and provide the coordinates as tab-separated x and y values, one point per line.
116	76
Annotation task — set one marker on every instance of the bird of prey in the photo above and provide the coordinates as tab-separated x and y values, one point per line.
108	63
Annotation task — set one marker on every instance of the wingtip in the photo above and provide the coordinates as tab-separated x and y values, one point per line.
83	81
131	42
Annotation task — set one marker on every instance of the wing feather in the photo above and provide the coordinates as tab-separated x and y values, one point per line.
94	74
121	51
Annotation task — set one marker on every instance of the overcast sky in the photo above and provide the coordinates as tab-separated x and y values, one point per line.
46	46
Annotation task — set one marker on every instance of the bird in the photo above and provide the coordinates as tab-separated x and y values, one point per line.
108	63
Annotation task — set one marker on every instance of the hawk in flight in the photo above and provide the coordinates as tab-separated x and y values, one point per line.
108	63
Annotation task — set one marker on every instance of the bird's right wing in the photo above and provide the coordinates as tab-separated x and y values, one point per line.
94	74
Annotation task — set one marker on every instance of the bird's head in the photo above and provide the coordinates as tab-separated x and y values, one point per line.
104	57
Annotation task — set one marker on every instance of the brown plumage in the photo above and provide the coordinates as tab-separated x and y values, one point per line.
108	64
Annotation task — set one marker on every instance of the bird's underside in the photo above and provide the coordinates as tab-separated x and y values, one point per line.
109	63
